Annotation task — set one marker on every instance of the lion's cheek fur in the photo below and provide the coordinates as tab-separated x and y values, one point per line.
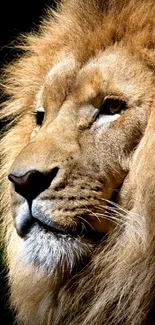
143	167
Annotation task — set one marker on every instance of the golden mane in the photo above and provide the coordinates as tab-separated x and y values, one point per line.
116	287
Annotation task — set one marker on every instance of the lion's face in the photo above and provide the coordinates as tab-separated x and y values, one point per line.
79	208
85	127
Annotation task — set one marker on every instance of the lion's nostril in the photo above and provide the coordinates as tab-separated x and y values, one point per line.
31	184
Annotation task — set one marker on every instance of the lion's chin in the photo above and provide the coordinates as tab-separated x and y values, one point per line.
53	250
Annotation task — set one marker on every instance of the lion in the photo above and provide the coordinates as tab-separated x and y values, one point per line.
78	182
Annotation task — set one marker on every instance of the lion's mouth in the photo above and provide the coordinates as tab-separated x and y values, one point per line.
77	231
87	225
25	221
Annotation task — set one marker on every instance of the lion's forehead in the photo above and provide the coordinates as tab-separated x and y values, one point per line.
112	72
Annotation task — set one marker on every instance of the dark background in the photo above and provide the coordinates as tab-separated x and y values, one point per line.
16	17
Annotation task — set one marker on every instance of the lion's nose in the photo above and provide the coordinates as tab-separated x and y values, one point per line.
31	184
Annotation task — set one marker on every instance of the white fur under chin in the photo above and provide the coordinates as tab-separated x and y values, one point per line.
47	250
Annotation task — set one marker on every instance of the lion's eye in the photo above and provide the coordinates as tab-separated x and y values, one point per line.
40	113
111	106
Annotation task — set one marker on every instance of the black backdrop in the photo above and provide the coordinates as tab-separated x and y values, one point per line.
15	17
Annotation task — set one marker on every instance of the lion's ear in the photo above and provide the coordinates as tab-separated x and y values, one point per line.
143	176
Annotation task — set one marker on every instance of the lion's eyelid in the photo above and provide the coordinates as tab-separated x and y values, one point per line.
105	120
108	118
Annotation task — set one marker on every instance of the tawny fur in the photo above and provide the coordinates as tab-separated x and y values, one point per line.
116	287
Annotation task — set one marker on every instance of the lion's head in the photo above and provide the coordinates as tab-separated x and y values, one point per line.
79	209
